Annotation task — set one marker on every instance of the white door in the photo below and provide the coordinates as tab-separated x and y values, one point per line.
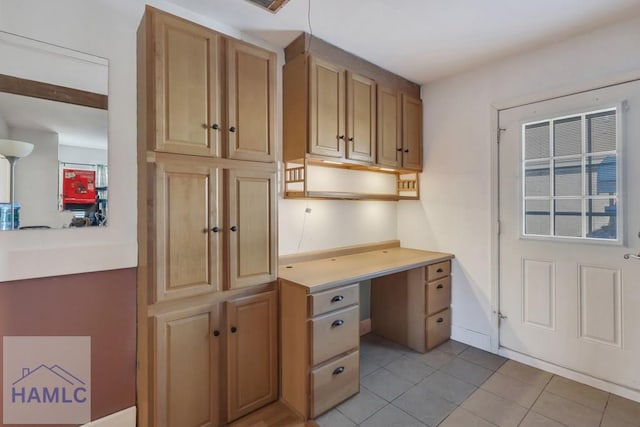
569	212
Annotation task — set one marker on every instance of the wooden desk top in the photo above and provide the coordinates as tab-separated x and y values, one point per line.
322	274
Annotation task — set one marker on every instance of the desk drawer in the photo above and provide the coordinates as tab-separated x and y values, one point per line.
436	271
334	333
438	295
334	383
334	299
438	328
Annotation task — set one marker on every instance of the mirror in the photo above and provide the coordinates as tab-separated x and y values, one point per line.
56	99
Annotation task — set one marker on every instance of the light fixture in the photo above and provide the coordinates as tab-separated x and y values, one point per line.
271	5
13	151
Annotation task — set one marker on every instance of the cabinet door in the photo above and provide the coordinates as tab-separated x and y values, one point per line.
186	87
411	133
188	244
252	356
361	118
252	227
251	94
327	109
187	368
389	128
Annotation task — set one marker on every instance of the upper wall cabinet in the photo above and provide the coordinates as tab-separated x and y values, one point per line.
334	110
399	130
213	96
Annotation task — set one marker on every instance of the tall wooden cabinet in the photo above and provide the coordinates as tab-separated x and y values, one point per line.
207	225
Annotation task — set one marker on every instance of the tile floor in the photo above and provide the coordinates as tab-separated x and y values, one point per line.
456	385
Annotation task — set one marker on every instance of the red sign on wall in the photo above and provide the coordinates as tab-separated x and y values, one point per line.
78	186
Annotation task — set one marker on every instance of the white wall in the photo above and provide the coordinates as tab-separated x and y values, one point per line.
82	155
36	184
455	210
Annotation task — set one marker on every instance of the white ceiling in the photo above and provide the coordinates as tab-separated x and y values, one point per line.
421	40
75	125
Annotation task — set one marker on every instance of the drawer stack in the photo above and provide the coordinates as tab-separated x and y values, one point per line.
437	303
320	358
335	364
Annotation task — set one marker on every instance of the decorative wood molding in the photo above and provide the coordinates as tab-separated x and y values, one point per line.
51	92
306	43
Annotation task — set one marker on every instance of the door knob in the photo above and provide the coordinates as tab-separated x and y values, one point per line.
234	228
351	139
215	126
634	256
341	137
215	229
234	329
406	151
216	333
232	129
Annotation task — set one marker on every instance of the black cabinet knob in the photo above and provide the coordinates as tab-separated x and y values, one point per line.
215	126
440	320
439	270
337	323
216	333
234	228
351	139
337	298
406	151
234	329
439	286
338	371
399	149
232	129
215	229
341	137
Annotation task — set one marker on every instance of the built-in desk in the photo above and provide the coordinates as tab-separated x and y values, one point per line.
319	307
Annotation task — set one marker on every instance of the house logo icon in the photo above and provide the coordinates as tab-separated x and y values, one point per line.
46	380
48	384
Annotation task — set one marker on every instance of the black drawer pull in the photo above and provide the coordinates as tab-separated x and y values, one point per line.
439	270
216	333
439	286
337	323
338	371
440	320
234	329
337	298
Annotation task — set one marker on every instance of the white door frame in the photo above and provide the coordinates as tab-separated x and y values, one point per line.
494	113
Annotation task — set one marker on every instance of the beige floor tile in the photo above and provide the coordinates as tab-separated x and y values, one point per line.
566	411
512	389
610	419
463	418
536	420
581	393
495	409
623	409
527	374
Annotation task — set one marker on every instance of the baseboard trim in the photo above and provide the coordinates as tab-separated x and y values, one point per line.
365	327
124	418
572	375
472	338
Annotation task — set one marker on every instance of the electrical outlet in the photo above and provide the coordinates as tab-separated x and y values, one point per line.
307	210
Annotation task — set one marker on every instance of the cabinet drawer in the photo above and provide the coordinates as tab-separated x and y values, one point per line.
438	295
436	271
334	383
333	299
334	333
438	328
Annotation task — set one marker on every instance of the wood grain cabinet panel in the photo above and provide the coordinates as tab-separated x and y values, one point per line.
361	118
251	91
187	368
252	353
187	88
411	133
188	251
327	109
389	150
252	227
